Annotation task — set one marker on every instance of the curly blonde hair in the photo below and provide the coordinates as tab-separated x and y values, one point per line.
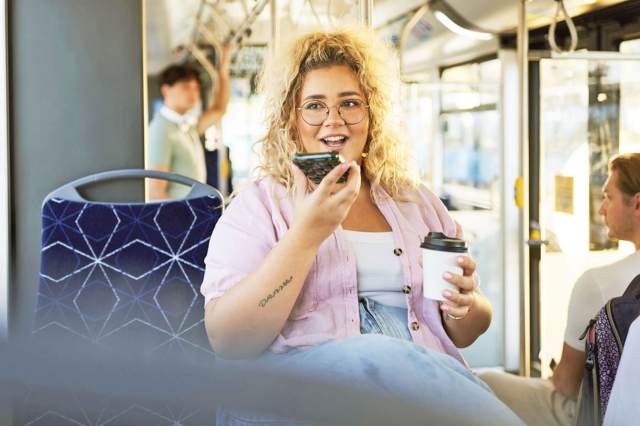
387	163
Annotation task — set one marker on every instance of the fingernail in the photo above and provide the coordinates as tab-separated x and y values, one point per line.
446	293
447	275
345	166
444	307
460	259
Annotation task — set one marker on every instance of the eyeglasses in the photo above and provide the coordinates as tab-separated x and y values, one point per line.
352	111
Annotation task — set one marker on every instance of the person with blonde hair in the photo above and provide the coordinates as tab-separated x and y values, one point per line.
330	274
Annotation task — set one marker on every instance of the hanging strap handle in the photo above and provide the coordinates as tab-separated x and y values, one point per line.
572	29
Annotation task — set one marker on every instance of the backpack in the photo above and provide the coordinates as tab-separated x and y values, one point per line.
605	336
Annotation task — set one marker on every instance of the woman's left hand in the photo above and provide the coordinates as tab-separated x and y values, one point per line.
457	305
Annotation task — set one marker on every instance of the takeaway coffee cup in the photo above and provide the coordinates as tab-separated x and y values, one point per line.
439	254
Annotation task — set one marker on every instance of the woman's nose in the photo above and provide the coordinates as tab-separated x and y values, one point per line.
334	117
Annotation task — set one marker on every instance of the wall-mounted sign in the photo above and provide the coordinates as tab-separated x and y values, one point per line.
564	194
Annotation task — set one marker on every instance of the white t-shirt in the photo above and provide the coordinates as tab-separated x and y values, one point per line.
379	270
593	290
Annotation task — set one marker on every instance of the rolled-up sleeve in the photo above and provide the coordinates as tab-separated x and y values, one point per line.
242	238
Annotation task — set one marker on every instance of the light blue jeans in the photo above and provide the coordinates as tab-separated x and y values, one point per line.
394	381
376	318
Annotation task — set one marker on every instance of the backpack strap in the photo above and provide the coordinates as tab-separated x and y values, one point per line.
589	396
633	289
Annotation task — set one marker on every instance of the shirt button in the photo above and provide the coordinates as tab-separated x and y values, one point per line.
397	251
415	326
406	289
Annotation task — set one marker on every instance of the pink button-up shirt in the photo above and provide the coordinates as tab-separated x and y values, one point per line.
327	307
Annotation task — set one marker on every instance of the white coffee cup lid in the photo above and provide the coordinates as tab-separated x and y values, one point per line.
439	241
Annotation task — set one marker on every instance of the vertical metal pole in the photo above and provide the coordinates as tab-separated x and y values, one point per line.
5	218
366	6
523	131
145	99
6	403
223	168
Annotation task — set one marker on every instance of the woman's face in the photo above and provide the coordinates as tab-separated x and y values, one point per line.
346	132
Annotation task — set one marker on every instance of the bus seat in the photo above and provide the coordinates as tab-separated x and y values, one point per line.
125	277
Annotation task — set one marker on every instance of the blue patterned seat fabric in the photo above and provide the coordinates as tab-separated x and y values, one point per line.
126	276
123	278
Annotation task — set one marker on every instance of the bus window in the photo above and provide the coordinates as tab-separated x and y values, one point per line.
469	126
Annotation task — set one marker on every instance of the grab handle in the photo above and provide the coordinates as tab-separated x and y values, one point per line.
70	192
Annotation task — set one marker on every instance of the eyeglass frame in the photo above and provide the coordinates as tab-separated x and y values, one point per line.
366	106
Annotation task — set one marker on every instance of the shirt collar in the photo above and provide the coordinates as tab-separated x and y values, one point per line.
179	119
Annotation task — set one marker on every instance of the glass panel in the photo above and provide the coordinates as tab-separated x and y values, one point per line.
584	113
629	99
417	107
471	158
471	169
471	86
244	107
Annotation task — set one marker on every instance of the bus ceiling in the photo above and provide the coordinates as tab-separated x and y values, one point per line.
432	33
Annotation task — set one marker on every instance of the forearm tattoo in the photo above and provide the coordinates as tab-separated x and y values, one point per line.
273	294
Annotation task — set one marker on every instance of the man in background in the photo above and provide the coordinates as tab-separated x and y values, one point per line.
174	134
553	401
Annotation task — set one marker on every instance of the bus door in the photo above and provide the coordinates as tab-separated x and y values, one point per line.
585	113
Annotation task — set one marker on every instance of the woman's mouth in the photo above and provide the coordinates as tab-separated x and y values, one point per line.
334	141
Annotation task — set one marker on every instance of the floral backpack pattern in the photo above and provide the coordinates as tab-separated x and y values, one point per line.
605	336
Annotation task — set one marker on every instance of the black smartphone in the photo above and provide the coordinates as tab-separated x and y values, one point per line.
316	165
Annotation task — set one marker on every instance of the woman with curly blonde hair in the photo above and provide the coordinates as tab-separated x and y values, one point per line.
314	270
386	162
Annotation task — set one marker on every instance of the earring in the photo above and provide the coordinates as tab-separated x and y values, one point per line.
364	154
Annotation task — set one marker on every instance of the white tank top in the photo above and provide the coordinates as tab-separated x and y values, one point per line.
379	270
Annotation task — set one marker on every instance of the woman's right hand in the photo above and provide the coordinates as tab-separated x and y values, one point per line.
318	212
